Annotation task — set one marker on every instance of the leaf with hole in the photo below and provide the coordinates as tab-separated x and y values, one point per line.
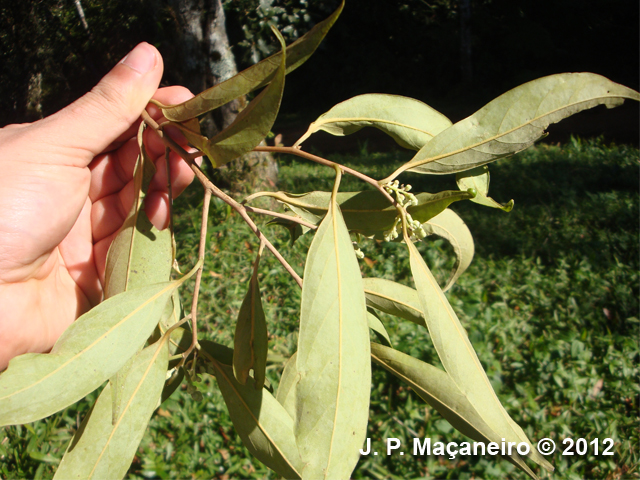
411	123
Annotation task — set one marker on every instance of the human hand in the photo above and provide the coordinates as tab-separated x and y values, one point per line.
65	189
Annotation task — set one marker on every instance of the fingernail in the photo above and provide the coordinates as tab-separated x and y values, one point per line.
142	58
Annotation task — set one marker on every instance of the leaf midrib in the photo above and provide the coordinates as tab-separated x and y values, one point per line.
417	163
321	123
89	347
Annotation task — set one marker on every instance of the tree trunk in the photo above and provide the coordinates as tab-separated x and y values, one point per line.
205	59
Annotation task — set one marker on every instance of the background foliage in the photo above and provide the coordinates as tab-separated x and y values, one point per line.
550	303
407	47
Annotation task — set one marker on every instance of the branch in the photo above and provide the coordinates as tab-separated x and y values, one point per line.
208	185
281	215
329	163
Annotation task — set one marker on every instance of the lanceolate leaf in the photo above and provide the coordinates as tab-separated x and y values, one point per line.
450	226
368	212
410	122
89	352
514	121
332	396
438	389
104	449
254	77
378	328
458	356
264	426
140	254
252	124
478	178
394	299
286	393
250	341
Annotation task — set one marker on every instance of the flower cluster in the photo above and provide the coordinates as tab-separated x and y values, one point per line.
405	199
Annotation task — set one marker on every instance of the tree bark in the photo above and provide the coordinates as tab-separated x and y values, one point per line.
206	59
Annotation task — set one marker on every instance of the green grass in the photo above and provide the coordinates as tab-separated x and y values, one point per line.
550	303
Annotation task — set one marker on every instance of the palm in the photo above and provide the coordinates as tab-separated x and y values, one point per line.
63	217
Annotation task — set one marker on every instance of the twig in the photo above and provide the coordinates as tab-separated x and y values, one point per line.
280	215
208	185
323	161
243	213
201	253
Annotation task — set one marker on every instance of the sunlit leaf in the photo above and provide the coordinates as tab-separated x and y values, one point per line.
250	340
264	426
378	328
394	299
458	356
105	449
332	396
438	389
514	121
251	125
450	226
90	351
140	254
254	77
368	212
409	122
478	178
286	393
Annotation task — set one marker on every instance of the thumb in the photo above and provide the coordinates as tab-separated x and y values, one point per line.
94	121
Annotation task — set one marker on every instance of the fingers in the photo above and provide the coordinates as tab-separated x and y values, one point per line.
107	112
112	191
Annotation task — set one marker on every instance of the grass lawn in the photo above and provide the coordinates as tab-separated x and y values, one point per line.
550	304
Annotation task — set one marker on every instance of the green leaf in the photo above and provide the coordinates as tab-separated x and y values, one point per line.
264	426
378	328
514	121
254	77
438	389
251	125
409	122
140	254
295	229
368	212
333	358
478	178
286	393
250	341
104	449
90	351
394	299
450	226
458	356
